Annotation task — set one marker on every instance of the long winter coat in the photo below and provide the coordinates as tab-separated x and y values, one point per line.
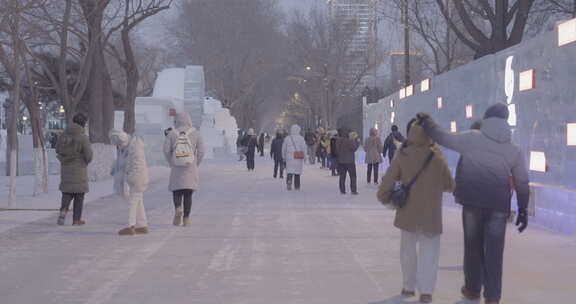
74	153
423	210
488	159
292	143
184	177
346	148
373	147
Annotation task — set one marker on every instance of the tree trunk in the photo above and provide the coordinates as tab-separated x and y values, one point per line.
12	148
99	89
132	79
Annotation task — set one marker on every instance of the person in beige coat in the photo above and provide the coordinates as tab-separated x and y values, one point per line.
184	175
420	221
132	166
373	148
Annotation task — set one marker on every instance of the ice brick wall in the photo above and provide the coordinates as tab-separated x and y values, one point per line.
543	112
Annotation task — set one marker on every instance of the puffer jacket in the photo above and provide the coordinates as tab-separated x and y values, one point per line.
293	143
276	148
188	177
74	152
136	171
488	160
423	210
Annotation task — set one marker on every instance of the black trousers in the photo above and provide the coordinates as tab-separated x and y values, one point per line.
183	195
296	180
278	165
484	238
78	204
375	167
347	169
250	161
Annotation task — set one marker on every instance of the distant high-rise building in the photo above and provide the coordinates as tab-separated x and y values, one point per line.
357	19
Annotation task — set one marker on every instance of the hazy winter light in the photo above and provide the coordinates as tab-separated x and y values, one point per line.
376	126
453	128
469	111
526	80
392	117
512	120
571	134
391	103
61	110
537	161
409	90
24	118
425	85
567	32
440	103
402	93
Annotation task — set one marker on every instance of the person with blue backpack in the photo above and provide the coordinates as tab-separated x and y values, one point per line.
184	151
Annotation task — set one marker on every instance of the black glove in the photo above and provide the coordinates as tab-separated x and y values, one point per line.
423	117
522	220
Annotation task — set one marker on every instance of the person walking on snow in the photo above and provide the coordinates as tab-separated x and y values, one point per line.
276	154
489	160
333	153
310	139
392	142
251	145
132	166
294	154
240	148
184	151
74	152
261	144
372	147
346	147
420	220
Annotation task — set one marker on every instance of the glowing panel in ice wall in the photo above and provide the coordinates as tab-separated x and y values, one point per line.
537	161
567	32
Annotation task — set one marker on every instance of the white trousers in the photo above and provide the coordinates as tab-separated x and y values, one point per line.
419	255
137	215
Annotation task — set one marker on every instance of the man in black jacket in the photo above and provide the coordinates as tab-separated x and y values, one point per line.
346	147
276	153
489	160
392	142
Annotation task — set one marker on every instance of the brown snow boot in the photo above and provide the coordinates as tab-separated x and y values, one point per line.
127	231
78	223
468	295
178	217
425	298
186	221
141	230
62	217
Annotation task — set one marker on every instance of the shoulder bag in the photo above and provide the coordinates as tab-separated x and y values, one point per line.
400	193
297	154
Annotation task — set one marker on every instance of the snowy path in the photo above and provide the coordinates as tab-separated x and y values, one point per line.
252	242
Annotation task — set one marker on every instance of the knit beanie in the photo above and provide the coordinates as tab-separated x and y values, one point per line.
498	110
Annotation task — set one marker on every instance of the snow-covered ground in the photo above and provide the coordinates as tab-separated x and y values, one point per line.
38	207
253	242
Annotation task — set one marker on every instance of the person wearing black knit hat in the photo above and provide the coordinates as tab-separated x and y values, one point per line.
488	161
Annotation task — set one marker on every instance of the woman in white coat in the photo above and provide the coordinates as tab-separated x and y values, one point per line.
294	153
134	173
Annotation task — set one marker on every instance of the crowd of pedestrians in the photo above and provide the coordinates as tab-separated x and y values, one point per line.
490	168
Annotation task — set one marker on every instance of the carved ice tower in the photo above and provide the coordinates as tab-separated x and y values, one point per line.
194	92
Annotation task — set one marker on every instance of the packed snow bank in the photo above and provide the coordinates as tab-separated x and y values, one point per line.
36	207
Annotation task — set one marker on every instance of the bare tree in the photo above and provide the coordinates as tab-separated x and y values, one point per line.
441	48
135	12
507	21
326	64
239	43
